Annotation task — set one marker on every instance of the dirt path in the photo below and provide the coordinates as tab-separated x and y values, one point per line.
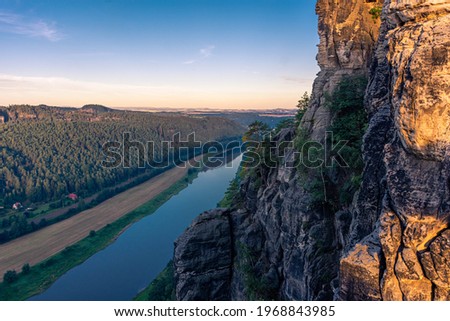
42	244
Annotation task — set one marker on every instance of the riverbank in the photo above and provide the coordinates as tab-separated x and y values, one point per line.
42	275
162	288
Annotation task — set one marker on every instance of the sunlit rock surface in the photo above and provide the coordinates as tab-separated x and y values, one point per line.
407	177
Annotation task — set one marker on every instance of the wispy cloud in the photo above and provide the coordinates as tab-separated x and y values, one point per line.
18	24
207	51
38	83
298	80
58	90
204	53
189	62
94	54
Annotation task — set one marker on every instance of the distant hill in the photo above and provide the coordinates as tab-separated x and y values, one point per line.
245	118
96	108
93	112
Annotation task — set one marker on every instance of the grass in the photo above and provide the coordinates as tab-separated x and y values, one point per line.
41	276
41	210
162	287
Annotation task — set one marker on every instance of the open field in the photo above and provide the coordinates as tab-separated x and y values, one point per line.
51	214
40	245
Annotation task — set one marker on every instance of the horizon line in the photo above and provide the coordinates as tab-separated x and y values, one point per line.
149	108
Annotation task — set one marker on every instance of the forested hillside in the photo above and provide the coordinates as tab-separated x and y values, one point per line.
48	152
271	118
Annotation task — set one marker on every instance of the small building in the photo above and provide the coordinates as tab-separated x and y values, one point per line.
17	206
72	196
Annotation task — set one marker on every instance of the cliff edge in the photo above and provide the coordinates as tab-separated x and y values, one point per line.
391	239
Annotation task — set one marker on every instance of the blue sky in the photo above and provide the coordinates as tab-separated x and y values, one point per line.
157	53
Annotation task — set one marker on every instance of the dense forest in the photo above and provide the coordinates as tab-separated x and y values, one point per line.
245	118
47	152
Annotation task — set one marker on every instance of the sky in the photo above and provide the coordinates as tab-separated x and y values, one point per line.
239	54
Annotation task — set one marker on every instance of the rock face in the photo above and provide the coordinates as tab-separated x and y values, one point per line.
348	35
393	242
203	260
404	201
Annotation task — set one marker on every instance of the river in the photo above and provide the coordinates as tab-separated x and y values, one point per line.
135	258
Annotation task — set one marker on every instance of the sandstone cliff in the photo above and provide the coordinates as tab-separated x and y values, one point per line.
393	242
399	242
348	35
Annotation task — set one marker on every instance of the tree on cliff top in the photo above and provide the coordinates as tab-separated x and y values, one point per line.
302	106
256	131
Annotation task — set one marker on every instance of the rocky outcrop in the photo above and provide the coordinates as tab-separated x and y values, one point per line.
405	195
203	258
348	35
393	242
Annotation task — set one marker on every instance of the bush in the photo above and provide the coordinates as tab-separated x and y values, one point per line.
375	12
26	268
48	262
10	277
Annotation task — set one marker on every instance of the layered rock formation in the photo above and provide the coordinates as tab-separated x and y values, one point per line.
401	215
393	243
348	35
202	273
